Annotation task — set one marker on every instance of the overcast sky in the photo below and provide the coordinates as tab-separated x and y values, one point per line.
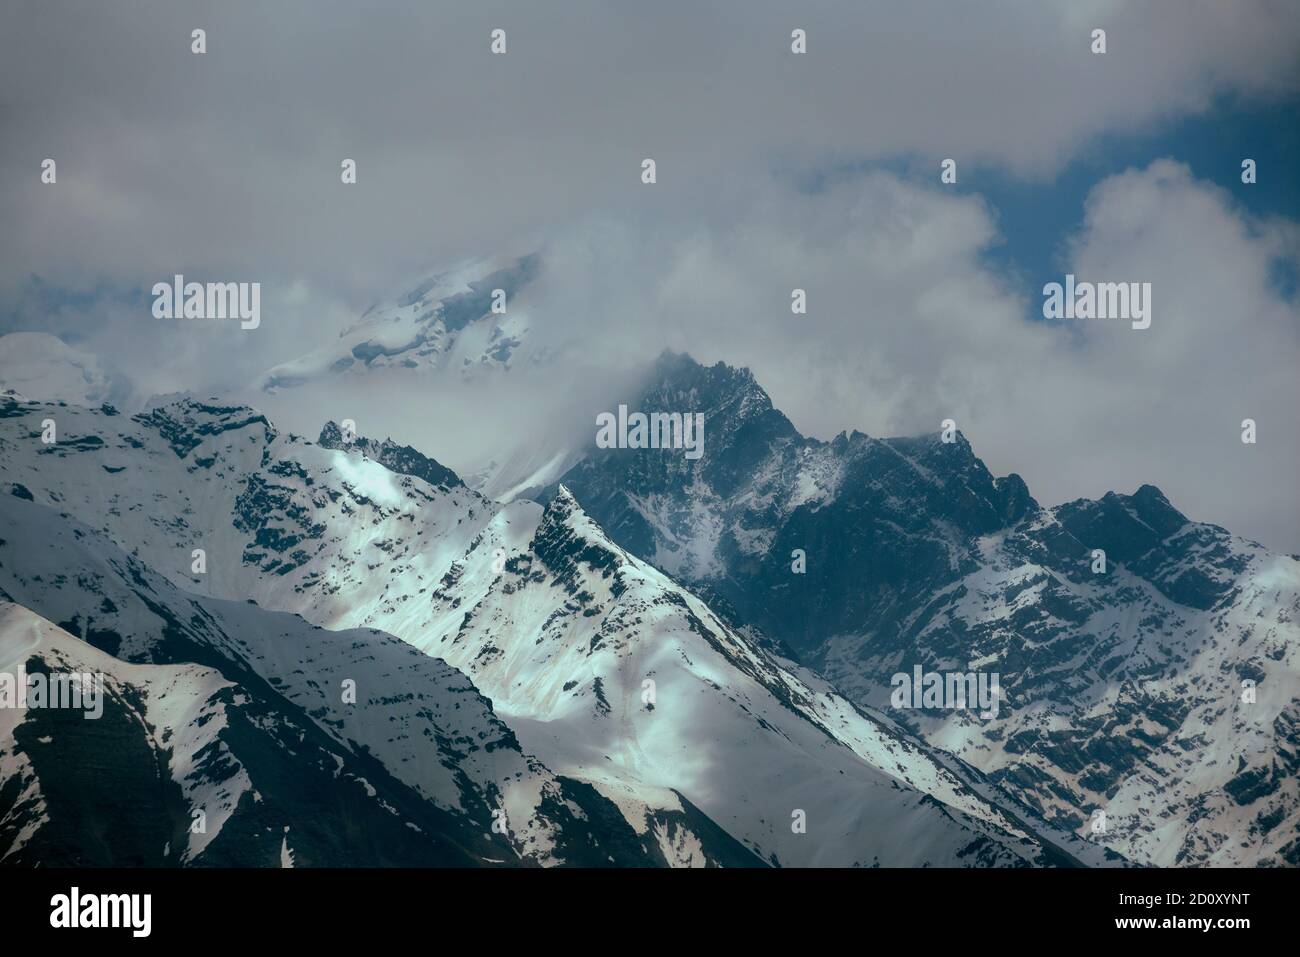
774	171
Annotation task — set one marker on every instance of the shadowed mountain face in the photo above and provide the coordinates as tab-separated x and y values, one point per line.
1122	674
881	521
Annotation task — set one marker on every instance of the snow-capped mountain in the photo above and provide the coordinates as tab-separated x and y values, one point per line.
244	714
614	673
447	322
451	341
622	683
42	366
1123	687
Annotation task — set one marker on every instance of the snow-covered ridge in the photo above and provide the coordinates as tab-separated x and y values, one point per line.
523	601
415	745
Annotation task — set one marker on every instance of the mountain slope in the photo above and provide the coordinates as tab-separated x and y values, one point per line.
634	684
526	602
414	743
125	788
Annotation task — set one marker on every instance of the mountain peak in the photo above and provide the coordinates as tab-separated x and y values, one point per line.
453	320
564	509
681	372
1014	499
402	459
1148	505
567	538
736	408
671	361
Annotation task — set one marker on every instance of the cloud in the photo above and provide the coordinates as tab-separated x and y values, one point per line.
1117	406
228	163
226	167
908	324
40	366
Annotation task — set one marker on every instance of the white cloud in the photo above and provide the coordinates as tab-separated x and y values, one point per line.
225	166
1165	405
908	324
228	163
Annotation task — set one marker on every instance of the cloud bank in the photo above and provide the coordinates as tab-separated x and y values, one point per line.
226	167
